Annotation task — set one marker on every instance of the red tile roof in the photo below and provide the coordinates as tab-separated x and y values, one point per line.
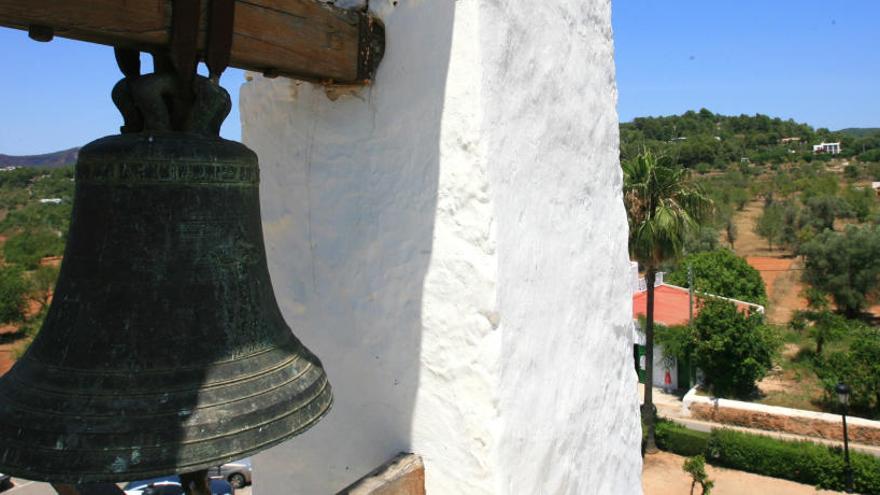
670	305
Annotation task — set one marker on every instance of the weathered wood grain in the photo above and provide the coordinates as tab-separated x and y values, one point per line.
304	39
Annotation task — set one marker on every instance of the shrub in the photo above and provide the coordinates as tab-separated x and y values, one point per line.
675	438
803	462
13	290
870	156
28	248
861	201
851	172
696	467
858	367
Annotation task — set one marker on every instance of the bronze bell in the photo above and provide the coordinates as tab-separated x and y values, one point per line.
164	350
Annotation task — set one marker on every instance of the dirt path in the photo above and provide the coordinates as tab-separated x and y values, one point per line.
779	269
782	278
748	243
662	475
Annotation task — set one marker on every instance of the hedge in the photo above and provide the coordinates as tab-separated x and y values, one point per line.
675	438
803	462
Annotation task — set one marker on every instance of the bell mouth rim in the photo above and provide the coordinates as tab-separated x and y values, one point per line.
108	476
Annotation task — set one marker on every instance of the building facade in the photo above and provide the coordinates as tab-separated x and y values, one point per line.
829	148
451	242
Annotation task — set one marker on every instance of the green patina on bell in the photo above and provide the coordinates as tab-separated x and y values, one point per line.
164	350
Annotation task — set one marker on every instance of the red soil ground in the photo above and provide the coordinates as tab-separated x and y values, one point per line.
662	475
781	277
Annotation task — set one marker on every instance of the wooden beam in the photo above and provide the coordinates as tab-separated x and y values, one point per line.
303	39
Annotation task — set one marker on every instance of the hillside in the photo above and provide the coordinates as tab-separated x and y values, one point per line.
860	131
705	140
57	159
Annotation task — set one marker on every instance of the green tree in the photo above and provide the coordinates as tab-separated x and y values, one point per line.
827	327
790	224
783	183
870	156
13	290
861	201
819	322
731	232
821	211
38	217
18	178
703	239
845	265
696	467
721	273
733	348
678	341
42	283
815	183
858	367
770	223
663	206
851	172
28	248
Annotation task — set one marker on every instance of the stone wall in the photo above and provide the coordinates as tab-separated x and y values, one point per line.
781	419
451	242
797	425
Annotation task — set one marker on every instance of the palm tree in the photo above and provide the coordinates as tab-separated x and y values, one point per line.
663	207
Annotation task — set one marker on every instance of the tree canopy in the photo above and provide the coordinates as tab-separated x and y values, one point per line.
845	265
858	367
13	290
699	138
721	273
733	348
663	207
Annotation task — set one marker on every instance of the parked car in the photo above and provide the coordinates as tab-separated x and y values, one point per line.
237	473
170	485
5	482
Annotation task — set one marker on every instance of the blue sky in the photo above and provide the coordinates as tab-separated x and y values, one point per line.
813	61
57	95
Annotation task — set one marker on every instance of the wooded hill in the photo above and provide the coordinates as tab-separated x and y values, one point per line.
705	140
57	159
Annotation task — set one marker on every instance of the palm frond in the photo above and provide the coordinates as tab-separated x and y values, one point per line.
663	206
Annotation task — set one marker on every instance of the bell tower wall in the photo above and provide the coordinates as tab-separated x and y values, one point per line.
451	242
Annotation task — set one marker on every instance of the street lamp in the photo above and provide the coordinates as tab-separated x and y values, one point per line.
843	392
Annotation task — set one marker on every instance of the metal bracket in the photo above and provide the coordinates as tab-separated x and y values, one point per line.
221	20
371	46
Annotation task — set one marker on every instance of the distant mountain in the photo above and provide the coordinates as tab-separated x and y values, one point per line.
860	131
57	159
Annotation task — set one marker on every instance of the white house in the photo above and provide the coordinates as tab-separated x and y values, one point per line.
672	306
830	148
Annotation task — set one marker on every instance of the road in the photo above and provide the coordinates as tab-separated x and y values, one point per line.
25	487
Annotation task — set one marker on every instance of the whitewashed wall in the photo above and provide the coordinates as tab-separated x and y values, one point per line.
452	243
